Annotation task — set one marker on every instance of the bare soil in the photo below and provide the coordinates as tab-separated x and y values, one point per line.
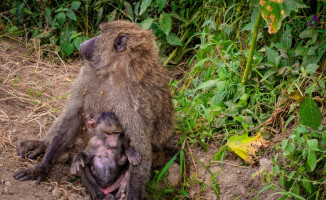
33	92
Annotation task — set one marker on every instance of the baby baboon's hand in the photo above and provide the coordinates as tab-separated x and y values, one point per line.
133	156
80	160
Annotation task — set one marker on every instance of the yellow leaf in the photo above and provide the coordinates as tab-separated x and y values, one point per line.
245	146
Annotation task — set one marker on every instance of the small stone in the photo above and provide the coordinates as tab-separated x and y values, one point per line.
7	183
265	165
192	193
5	190
238	172
50	188
56	193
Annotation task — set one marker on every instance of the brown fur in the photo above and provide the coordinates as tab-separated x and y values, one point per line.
132	84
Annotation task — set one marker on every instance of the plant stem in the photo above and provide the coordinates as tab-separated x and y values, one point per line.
252	49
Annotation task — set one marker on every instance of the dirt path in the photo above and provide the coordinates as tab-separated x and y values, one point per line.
33	92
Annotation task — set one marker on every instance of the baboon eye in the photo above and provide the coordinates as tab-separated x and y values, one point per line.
120	43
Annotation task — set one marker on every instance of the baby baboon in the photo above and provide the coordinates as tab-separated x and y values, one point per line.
122	74
106	157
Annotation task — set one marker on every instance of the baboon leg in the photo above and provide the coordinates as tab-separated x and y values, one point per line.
90	183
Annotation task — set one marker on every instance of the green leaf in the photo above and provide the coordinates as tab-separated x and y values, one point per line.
207	84
272	55
311	160
217	99
312	68
111	17
147	23
306	33
264	189
143	6
71	15
173	39
20	12
184	193
165	23
66	45
161	4
165	168
310	113
75	5
313	144
291	174
60	18
307	184
48	16
130	12
77	42
287	38
274	12
99	15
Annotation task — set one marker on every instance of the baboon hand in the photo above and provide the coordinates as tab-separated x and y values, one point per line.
30	148
80	160
133	157
35	173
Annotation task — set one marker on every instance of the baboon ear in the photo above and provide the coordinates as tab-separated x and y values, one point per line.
87	49
120	43
91	124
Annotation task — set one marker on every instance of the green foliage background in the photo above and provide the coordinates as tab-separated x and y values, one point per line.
210	40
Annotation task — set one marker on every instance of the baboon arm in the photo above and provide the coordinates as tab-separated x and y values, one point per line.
64	130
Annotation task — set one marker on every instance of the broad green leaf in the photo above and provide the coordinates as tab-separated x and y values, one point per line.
291	174
207	84
48	13
143	6
165	23
60	18
307	184
161	4
311	160
66	45
313	144
75	5
165	168
217	99
130	12
111	17
71	15
99	15
147	23
245	146
312	68
77	42
20	12
306	33
173	39
287	38
272	55
274	12
310	113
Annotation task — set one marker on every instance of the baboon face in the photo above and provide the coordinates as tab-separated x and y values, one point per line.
120	42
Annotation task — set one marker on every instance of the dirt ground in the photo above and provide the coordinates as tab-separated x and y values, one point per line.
32	93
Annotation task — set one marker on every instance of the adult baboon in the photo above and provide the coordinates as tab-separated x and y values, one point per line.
122	74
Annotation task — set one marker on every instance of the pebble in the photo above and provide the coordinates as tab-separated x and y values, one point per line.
238	172
50	188
7	183
7	191
56	193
